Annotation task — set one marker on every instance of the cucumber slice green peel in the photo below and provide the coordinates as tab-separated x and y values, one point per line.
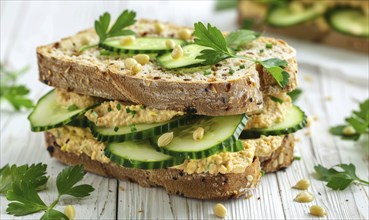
146	45
284	16
139	154
48	114
294	121
351	21
136	132
221	134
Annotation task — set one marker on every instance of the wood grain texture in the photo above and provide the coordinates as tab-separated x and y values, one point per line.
25	25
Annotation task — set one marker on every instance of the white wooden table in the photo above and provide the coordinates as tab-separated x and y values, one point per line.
324	73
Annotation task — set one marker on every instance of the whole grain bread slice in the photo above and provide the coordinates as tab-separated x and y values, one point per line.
174	181
221	93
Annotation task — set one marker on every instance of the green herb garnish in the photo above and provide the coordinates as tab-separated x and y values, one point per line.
269	46
110	109
72	107
231	71
118	106
297	158
15	94
142	107
116	128
133	127
357	124
338	179
35	175
275	99
133	112
261	51
295	94
25	200
242	66
219	49
207	72
125	19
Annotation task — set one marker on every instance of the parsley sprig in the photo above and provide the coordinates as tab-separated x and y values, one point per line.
35	175
358	122
10	91
339	179
25	199
125	19
221	48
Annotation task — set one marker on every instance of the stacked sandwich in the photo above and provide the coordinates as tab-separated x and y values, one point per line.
340	23
152	108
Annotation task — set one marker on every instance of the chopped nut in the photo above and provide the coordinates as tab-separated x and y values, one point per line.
142	59
302	184
349	130
129	63
220	210
317	211
304	197
165	139
84	41
249	178
177	52
184	34
170	43
70	212
136	69
281	159
198	134
127	40
275	164
159	28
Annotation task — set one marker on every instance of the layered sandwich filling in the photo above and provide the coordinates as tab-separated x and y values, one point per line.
80	140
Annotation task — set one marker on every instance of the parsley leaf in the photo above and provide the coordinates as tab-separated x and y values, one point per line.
217	48
25	199
15	94
357	124
125	19
338	179
68	178
35	175
295	94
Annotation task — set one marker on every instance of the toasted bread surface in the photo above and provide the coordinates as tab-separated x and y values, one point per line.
61	65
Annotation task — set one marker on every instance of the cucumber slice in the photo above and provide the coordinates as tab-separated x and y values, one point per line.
139	154
48	114
350	21
221	134
136	132
145	45
295	120
190	52
285	16
80	121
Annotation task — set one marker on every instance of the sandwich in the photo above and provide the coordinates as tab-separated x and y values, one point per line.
339	23
199	112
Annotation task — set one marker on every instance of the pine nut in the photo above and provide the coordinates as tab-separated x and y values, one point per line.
317	211
127	40
198	134
220	210
304	197
184	34
129	63
302	184
159	28
136	69
70	212
170	43
177	52
348	130
84	41
142	59
165	139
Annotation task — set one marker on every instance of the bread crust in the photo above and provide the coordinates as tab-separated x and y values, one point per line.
174	181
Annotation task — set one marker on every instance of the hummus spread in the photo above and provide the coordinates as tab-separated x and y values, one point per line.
265	145
224	162
67	99
79	140
273	112
114	113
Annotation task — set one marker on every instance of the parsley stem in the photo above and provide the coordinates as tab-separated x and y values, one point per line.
363	181
54	203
